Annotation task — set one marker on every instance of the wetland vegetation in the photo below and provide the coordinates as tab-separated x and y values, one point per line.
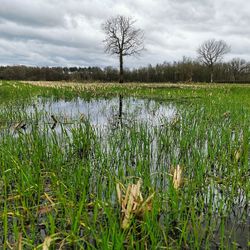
70	153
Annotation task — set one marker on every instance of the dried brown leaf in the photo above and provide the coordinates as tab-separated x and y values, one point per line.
237	155
132	203
44	210
19	244
177	177
119	193
47	242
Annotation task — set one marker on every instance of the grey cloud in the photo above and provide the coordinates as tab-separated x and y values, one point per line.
55	32
79	37
35	13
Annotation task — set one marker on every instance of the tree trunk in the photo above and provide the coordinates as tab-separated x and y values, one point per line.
211	77
121	68
211	74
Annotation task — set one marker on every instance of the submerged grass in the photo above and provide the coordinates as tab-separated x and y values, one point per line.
58	189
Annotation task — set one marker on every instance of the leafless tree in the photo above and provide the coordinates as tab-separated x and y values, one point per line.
122	38
211	52
238	66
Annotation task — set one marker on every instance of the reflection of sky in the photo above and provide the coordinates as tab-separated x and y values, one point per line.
100	112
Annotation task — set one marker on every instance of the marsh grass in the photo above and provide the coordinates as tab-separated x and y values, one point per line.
58	189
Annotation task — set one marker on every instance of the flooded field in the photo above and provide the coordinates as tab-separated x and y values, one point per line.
125	172
101	112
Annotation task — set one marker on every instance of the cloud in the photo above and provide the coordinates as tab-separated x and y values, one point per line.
65	33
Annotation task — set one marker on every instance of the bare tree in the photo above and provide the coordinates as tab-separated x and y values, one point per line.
122	39
211	52
238	66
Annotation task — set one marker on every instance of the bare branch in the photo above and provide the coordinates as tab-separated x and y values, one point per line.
211	52
122	38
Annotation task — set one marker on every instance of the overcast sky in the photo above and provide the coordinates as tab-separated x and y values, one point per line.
68	32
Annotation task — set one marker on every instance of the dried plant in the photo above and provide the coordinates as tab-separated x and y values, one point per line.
19	244
237	155
176	173
132	203
19	125
47	242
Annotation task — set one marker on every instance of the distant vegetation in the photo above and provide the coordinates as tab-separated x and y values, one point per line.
185	70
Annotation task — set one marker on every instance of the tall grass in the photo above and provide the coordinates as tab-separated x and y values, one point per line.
61	183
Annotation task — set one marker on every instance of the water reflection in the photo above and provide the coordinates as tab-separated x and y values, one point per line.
120	108
102	112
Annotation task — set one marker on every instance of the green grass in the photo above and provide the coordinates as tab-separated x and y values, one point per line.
63	185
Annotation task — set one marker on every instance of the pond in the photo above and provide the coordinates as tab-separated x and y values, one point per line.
102	112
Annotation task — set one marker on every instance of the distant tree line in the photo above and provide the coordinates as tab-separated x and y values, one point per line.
185	70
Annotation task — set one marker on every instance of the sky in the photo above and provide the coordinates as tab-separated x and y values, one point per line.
69	33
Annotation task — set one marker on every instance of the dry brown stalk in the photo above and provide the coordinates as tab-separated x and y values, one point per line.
177	176
47	242
132	203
